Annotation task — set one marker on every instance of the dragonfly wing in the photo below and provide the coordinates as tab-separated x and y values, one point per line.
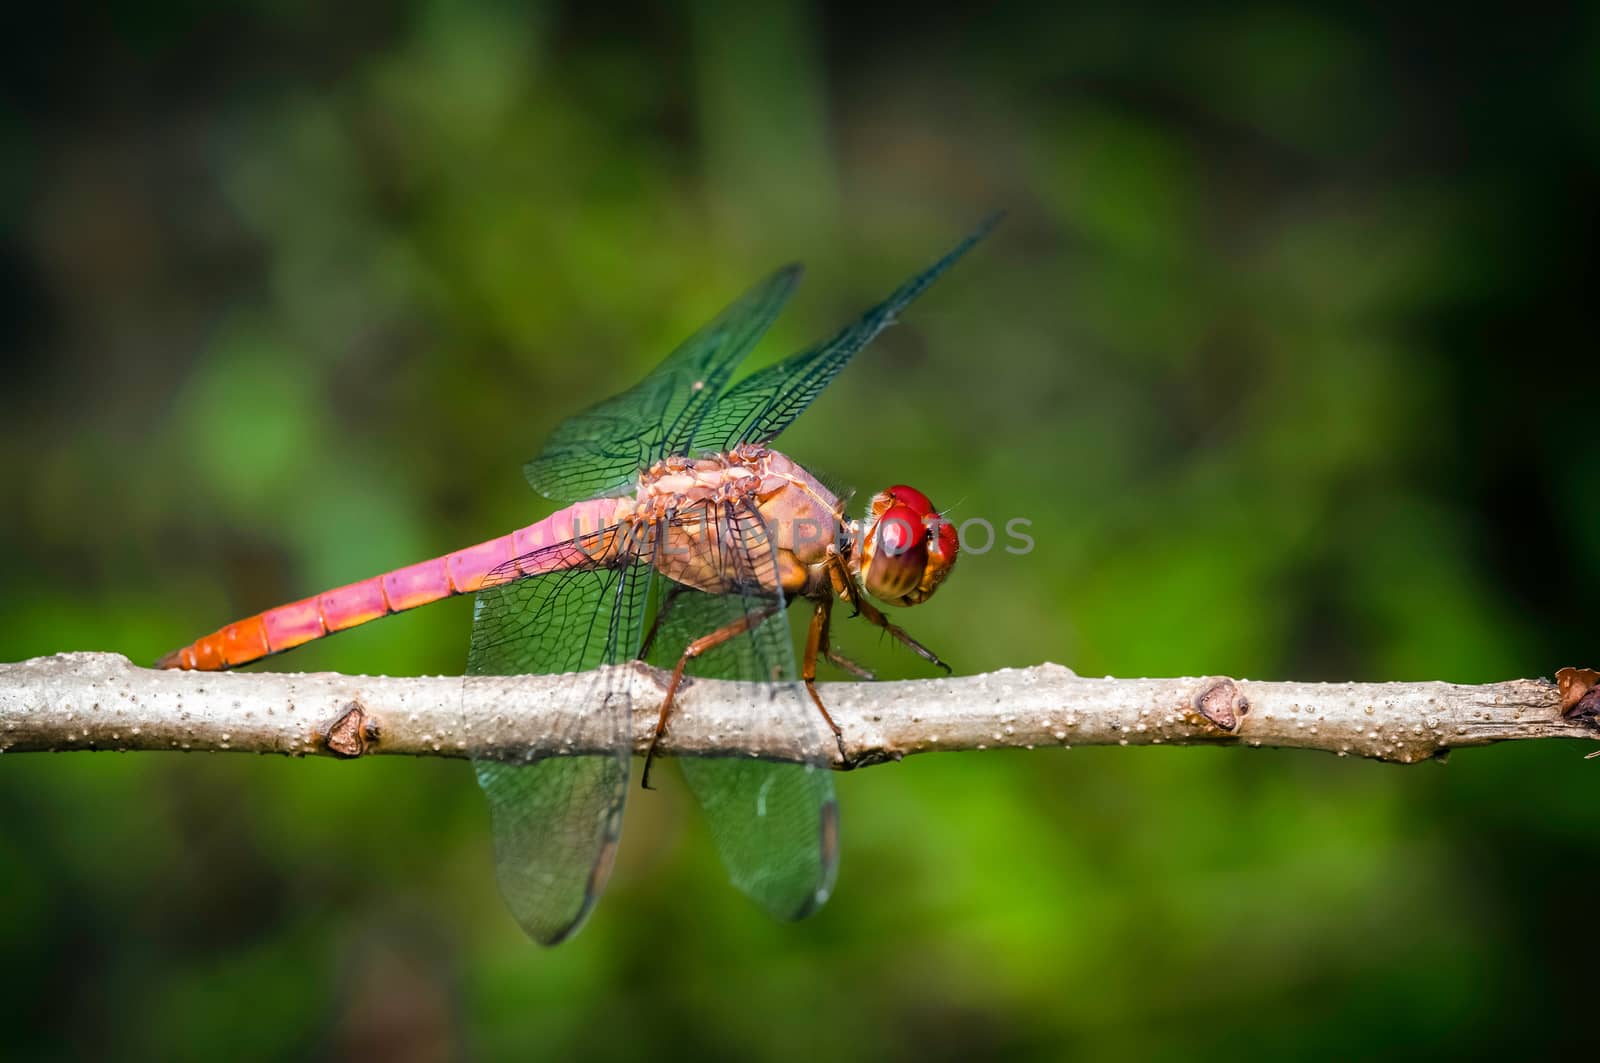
762	405
603	448
556	825
774	823
557	818
776	827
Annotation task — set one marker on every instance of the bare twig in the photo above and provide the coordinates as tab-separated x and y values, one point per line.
101	701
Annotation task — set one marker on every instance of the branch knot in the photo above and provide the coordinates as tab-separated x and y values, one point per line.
349	734
1222	703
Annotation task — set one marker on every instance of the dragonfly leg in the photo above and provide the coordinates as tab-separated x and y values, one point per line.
690	652
661	614
843	585
817	639
843	663
834	656
874	614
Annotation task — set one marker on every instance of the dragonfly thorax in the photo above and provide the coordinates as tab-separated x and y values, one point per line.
729	476
692	503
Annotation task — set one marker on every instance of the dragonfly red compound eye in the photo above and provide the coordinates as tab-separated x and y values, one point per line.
911	498
899	555
946	542
929	540
900	532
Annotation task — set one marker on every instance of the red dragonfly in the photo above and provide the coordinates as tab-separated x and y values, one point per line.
688	539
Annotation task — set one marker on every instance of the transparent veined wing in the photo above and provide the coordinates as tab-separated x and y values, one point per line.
759	407
774	822
603	448
557	818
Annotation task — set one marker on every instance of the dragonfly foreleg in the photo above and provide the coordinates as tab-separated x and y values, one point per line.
703	644
843	585
874	614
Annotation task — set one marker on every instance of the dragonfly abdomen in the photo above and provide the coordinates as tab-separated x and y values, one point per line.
461	572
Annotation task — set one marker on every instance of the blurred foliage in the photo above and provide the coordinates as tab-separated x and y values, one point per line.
1275	352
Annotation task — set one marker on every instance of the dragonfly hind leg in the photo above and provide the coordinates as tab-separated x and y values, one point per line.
703	644
661	614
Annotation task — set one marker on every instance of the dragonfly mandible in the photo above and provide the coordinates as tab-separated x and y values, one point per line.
686	538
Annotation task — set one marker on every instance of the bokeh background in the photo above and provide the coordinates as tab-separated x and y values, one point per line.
1281	350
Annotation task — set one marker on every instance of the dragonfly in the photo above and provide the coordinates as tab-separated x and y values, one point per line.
685	539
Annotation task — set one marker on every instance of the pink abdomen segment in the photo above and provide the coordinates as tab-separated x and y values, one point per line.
461	572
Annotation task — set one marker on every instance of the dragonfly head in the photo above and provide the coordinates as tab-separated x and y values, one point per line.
906	548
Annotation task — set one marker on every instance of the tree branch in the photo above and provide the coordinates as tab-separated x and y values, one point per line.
101	701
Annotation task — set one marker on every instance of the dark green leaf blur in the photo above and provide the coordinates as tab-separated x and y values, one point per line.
1280	350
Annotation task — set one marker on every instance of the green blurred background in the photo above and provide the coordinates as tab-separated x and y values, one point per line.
1281	350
